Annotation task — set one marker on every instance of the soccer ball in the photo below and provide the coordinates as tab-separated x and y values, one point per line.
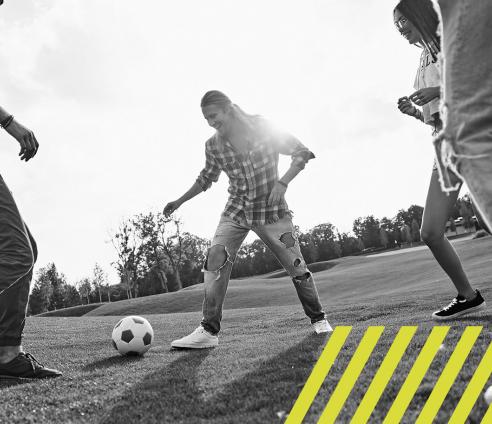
132	335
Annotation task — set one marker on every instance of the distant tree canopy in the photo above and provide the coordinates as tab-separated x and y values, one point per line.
320	243
155	256
51	291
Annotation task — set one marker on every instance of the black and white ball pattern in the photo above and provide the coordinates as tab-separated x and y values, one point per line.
132	335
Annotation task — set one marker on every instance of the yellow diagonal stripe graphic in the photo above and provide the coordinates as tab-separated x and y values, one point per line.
318	375
351	374
383	375
448	375
416	375
473	390
487	418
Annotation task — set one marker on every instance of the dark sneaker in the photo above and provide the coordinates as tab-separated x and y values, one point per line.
24	365
460	306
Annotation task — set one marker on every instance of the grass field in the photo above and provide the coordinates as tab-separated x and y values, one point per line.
266	349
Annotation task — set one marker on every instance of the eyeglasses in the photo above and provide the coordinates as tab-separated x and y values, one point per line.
400	23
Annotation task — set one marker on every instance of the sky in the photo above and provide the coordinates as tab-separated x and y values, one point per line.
111	89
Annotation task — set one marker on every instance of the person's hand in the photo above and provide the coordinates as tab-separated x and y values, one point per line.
406	106
28	143
425	95
277	194
171	207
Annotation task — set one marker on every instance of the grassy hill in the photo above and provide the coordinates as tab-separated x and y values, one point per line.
74	311
266	349
354	279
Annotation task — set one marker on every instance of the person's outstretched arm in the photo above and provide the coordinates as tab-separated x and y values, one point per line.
25	137
192	192
209	175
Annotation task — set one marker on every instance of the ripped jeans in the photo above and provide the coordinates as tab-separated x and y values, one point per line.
465	144
280	239
18	253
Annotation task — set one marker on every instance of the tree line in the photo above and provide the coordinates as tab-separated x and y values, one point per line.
154	255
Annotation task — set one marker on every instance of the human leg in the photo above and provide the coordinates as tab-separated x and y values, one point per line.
217	271
281	240
18	252
465	143
16	265
436	214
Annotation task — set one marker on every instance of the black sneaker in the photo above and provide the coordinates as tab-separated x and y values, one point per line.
24	365
460	306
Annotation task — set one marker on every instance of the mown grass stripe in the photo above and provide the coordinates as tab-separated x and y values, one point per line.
351	374
449	374
318	374
416	374
474	388
383	375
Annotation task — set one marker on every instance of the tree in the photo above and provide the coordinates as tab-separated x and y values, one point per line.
323	237
39	300
195	252
407	216
466	211
383	237
51	291
72	296
452	225
348	244
367	228
415	231
162	244
129	250
406	234
85	288
99	280
308	248
172	244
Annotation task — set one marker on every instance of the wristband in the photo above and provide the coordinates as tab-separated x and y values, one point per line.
282	183
7	121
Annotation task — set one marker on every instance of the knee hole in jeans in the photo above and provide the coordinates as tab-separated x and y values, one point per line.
216	258
288	239
303	277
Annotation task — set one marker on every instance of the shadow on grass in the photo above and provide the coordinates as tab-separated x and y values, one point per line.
477	317
110	362
176	394
10	382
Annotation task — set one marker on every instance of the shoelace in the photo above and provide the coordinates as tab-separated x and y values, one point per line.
32	361
453	302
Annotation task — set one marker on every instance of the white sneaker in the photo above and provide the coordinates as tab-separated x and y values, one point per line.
199	339
322	326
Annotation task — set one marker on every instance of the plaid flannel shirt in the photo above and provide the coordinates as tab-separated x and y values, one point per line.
252	175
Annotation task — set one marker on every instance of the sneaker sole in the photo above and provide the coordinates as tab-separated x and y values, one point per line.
193	346
459	314
13	377
324	332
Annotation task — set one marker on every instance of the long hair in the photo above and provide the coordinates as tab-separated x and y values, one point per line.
424	17
215	97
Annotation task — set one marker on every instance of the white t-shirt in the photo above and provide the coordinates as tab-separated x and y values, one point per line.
428	75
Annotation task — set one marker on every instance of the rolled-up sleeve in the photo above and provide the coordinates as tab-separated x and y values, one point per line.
290	145
210	173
